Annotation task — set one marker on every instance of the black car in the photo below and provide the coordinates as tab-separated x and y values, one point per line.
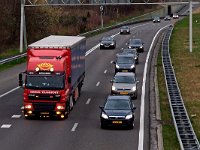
167	18
107	42
134	52
125	30
136	44
117	111
156	20
124	63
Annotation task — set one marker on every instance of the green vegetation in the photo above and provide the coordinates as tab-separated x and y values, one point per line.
187	66
187	69
169	134
11	64
9	53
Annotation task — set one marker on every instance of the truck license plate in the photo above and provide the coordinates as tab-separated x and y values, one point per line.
44	113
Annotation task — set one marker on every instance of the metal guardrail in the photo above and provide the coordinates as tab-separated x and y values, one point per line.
12	58
185	133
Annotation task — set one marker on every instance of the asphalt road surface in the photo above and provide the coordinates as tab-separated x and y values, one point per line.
81	131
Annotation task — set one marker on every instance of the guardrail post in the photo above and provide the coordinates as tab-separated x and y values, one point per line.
21	26
190	28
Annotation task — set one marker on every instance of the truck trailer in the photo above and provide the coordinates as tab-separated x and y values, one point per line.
54	76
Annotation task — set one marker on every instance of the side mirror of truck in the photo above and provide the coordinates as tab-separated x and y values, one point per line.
20	80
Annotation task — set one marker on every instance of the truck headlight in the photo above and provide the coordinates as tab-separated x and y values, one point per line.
113	88
103	115
129	116
133	88
117	66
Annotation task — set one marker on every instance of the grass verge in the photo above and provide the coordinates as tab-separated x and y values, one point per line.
187	66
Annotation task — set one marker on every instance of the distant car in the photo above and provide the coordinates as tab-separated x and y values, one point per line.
136	44
125	30
124	63
124	83
156	20
107	42
134	52
167	18
175	16
117	111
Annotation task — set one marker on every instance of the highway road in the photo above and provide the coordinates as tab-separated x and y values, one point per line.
81	131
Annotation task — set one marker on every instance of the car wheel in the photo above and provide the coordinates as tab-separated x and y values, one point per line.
103	126
131	126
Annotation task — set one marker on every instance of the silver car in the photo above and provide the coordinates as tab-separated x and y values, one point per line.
124	83
125	30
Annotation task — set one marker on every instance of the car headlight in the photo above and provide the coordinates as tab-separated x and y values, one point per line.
129	116
132	66
117	66
113	88
101	43
103	115
141	46
133	88
135	57
129	47
112	43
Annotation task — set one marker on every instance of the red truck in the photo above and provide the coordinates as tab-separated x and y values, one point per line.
54	76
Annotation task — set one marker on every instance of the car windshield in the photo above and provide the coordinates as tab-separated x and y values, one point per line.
125	60
44	82
124	79
107	39
135	42
129	51
156	18
125	27
117	104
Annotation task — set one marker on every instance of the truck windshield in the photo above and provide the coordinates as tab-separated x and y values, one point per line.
45	82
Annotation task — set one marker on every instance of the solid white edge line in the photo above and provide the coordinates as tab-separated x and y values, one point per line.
74	127
98	83
88	101
87	53
142	109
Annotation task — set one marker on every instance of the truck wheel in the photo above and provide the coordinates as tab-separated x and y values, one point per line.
71	103
67	110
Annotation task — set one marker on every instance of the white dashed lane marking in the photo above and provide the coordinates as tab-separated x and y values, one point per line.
16	116
88	101
97	83
105	71
74	127
6	126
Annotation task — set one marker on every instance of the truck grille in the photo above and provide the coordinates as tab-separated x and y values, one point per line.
44	97
44	106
